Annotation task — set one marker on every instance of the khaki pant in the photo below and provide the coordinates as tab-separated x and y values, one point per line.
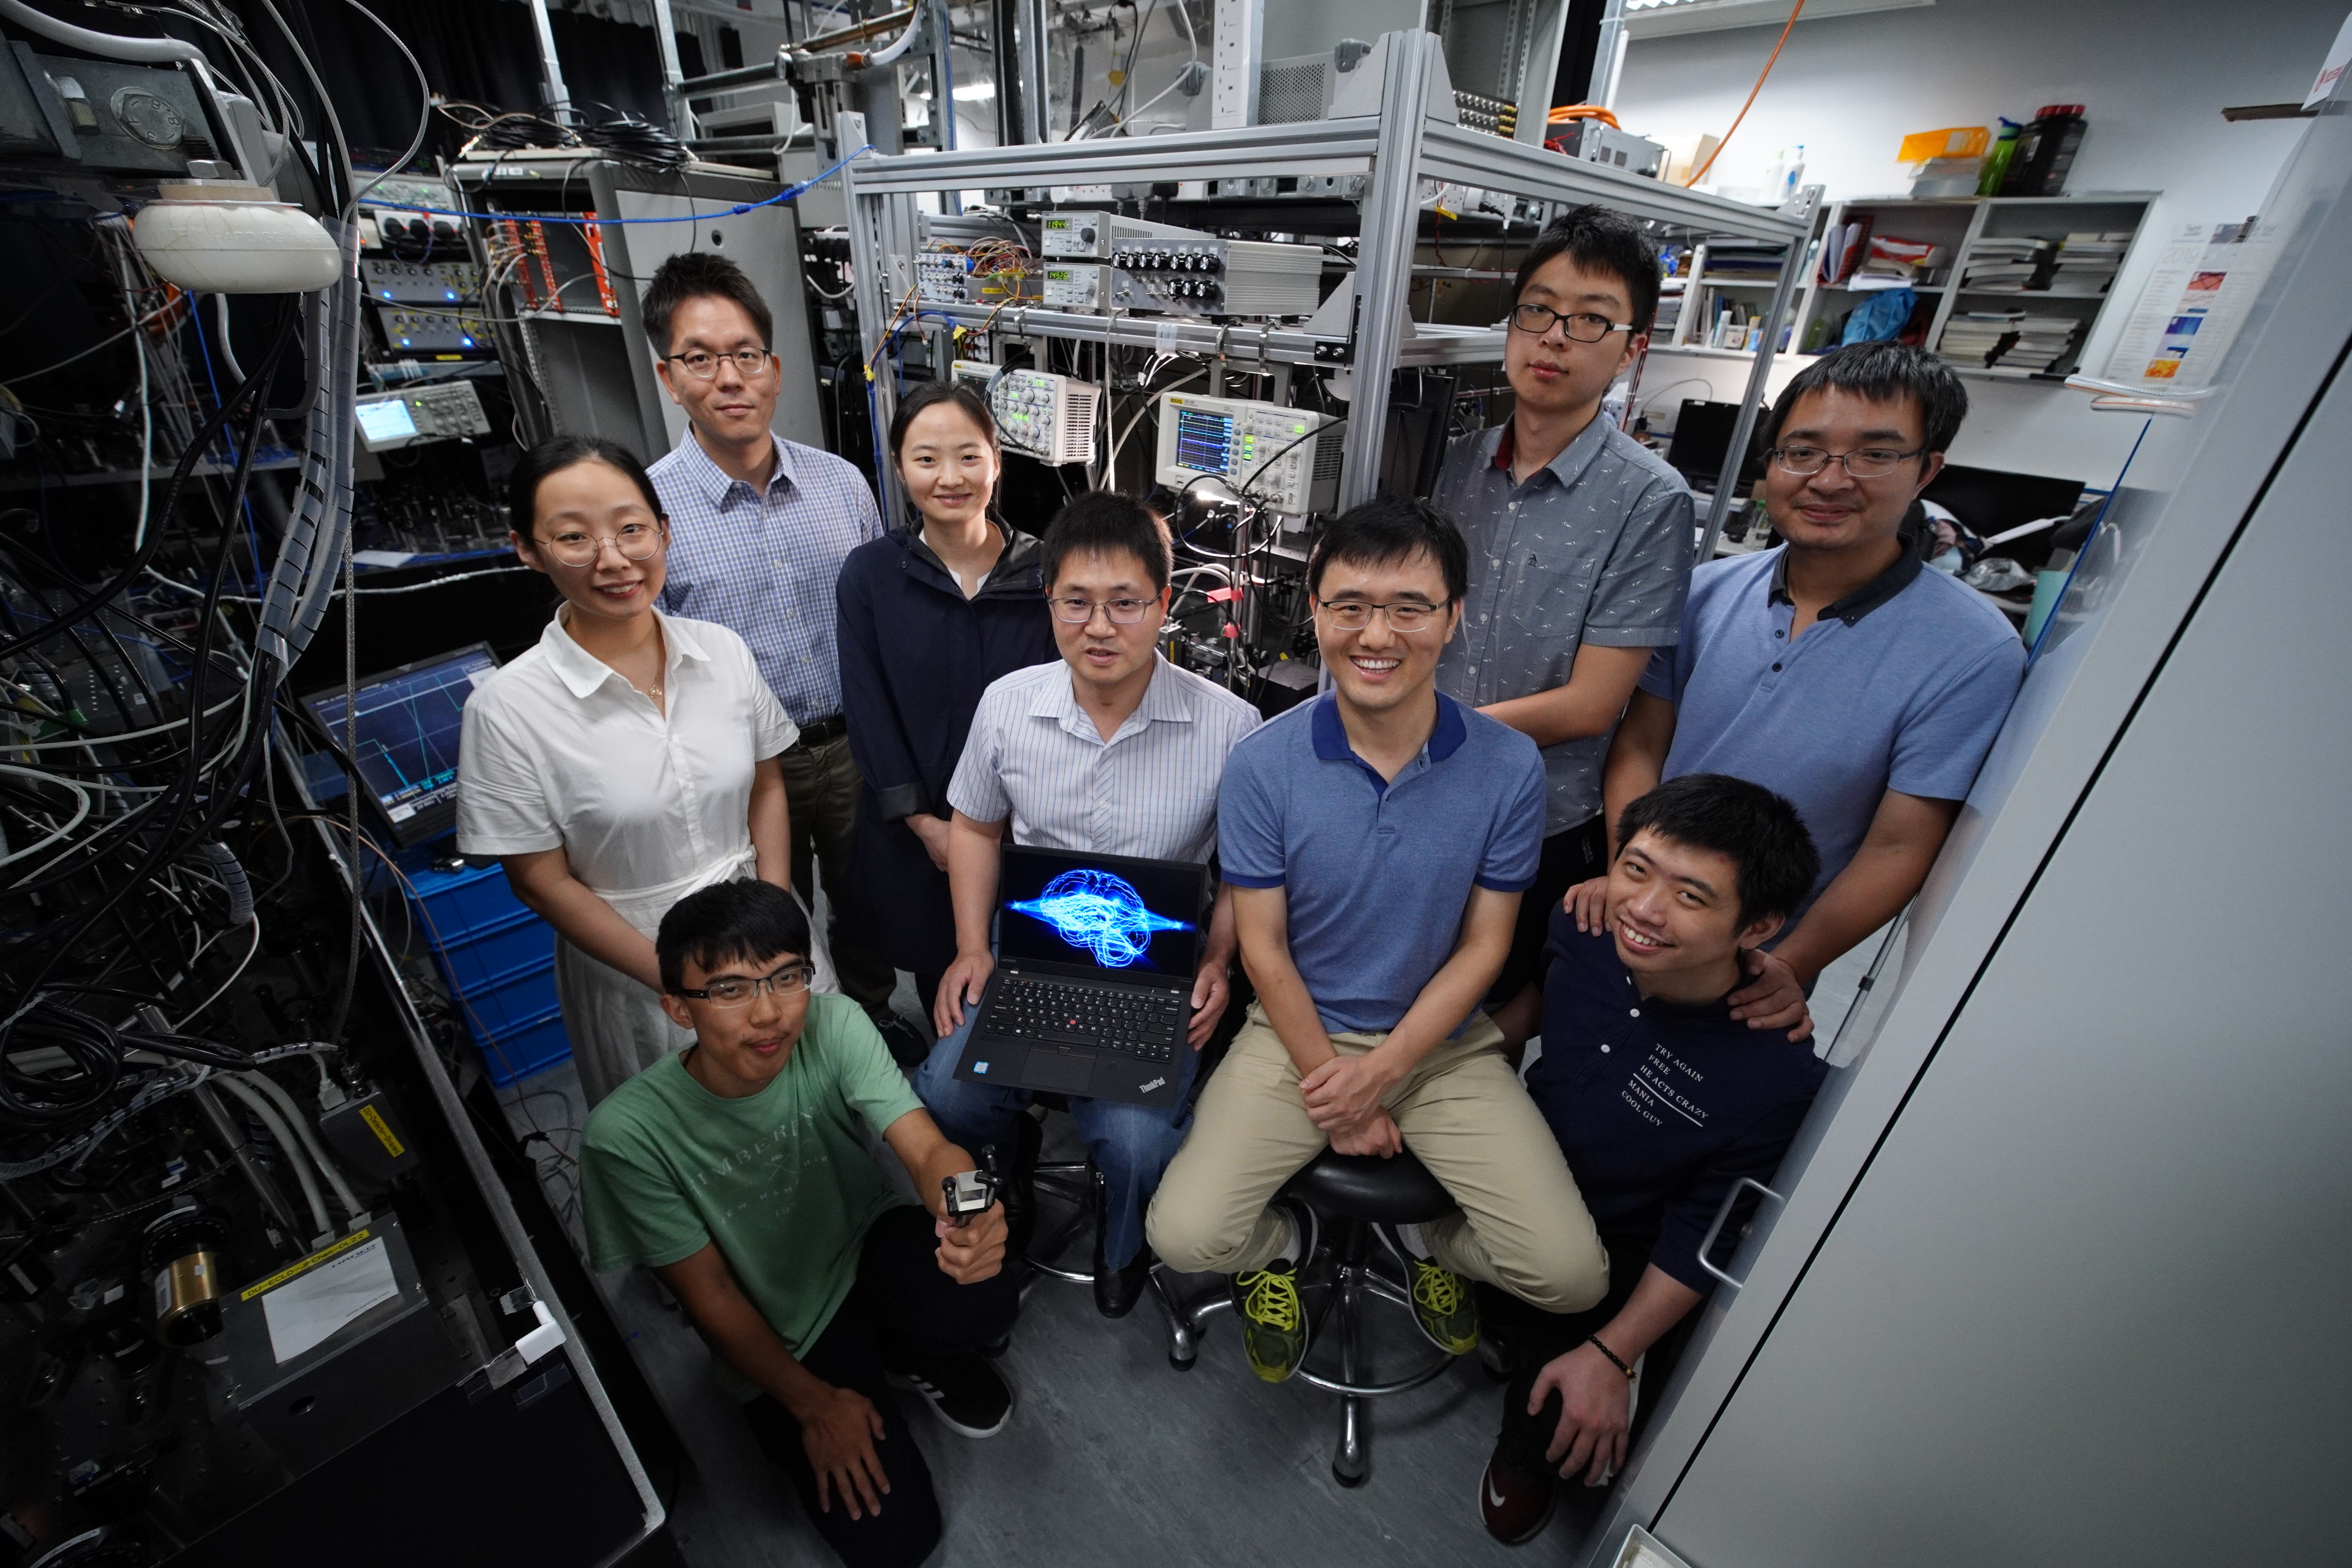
1522	1226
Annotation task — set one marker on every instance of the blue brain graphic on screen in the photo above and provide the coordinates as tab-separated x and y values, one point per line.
1100	912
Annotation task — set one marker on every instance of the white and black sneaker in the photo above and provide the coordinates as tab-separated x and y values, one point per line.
970	1396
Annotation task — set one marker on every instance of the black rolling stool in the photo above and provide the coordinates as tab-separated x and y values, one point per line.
1077	1182
1350	1194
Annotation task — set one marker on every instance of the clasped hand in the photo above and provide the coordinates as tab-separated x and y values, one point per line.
1343	1100
974	1250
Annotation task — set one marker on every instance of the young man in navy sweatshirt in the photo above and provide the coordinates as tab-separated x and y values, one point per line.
1662	1101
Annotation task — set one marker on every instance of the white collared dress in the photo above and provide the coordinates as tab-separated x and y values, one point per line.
560	752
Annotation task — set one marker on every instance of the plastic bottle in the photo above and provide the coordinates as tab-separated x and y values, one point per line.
2046	152
1997	161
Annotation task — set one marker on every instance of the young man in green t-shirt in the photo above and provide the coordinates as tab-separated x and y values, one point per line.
738	1171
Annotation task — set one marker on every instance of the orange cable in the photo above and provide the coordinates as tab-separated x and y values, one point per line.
1701	172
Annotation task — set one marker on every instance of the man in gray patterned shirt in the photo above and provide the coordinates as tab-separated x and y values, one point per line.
1580	553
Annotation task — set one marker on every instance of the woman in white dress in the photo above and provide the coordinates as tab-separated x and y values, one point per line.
626	760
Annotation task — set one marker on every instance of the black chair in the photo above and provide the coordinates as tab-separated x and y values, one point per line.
1080	1184
1351	1195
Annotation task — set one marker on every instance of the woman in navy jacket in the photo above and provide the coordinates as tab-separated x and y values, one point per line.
930	614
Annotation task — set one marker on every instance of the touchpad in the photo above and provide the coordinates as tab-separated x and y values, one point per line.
1058	1071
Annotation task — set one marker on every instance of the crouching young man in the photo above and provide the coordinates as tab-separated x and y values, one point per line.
1378	840
1661	1099
736	1171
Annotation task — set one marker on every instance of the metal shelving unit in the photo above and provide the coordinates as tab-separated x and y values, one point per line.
1410	146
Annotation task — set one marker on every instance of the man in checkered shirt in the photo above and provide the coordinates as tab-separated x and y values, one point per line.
759	528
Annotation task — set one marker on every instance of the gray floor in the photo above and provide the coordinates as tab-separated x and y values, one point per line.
1112	1455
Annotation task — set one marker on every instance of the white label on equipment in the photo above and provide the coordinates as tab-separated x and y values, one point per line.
302	1312
1163	337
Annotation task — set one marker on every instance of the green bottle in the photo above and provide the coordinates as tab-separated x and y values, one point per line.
1996	163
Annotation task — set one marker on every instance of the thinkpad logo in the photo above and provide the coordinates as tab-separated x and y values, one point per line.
1148	1087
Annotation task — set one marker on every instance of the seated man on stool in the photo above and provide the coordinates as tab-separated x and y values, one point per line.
1377	840
738	1172
1661	1099
1110	751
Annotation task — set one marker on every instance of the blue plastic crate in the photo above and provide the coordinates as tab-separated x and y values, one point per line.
530	1051
494	953
461	905
518	1002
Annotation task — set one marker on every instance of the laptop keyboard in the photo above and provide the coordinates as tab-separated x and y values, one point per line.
1145	1024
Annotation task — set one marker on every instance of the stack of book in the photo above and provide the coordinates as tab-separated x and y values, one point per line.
1974	337
1844	245
1742	260
1895	263
2042	342
2003	264
2087	262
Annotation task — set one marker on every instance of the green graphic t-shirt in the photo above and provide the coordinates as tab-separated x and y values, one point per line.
782	1179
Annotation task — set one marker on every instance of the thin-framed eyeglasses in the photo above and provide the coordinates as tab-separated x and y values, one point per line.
577	548
735	990
1076	612
1582	326
1403	614
702	366
1864	463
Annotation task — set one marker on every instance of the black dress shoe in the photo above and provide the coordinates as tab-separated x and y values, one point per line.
1117	1289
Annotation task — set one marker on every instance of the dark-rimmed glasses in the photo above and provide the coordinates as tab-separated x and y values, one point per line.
1865	463
1078	612
1582	326
735	991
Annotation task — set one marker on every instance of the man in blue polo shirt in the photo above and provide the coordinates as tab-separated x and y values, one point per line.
1834	670
1377	841
1661	1102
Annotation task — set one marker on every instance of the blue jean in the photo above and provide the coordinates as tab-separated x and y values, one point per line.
1131	1144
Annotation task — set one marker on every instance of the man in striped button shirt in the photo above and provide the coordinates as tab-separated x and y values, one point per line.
1113	751
759	529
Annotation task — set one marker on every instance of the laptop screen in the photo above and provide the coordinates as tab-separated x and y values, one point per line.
1116	916
409	722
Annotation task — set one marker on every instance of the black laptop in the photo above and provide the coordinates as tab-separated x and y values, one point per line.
1096	956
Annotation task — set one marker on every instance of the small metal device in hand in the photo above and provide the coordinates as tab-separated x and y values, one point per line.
967	1195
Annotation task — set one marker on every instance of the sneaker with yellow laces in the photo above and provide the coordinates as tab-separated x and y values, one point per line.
1274	1316
1441	1301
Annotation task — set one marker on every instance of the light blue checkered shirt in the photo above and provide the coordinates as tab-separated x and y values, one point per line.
764	566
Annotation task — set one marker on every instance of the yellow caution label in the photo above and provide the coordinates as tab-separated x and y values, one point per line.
383	1131
305	1265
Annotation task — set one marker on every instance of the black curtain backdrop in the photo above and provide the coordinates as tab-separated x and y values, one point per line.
477	51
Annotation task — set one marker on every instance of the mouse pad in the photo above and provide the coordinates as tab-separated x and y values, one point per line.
1056	1072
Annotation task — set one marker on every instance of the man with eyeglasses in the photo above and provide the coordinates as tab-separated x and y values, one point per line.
738	1172
759	529
1580	543
1110	750
1378	840
1834	670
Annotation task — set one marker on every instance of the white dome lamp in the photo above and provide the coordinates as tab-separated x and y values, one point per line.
215	234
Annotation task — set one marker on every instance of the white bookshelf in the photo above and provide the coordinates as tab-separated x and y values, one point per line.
1957	224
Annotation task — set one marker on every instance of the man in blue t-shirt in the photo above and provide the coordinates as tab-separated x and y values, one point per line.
1377	841
1661	1102
1837	670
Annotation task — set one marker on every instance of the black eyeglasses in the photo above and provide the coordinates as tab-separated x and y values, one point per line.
733	991
1582	326
1867	463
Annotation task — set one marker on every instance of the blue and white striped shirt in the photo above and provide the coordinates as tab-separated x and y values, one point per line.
1151	790
764	566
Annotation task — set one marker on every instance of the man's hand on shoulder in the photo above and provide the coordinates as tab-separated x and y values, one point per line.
973	1252
1774	998
1589	901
